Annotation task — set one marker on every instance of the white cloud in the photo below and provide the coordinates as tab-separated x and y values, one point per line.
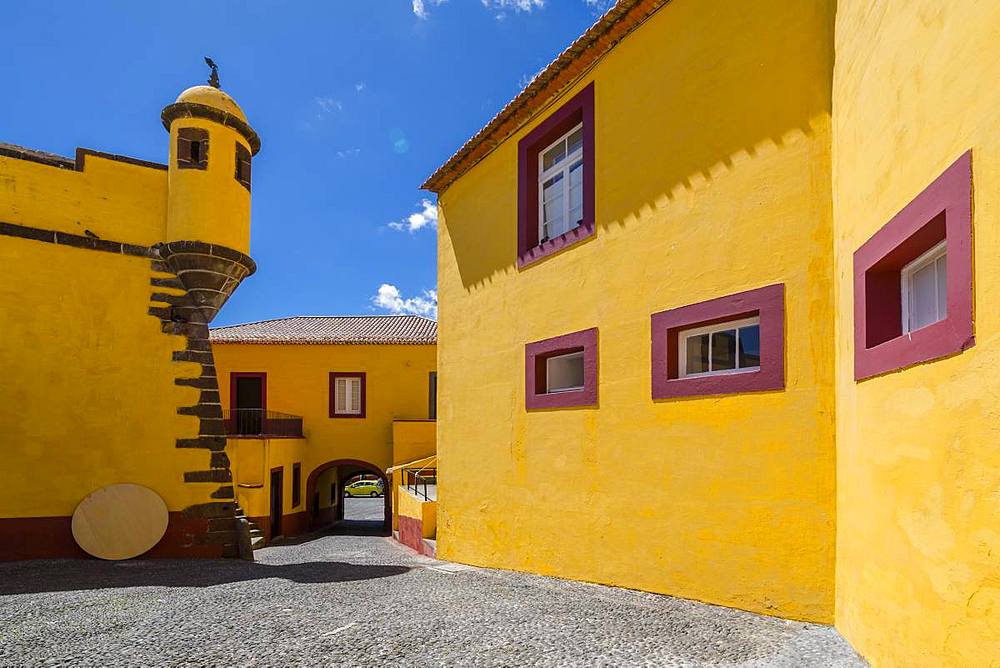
420	7
427	216
360	86
600	6
390	299
501	6
326	105
348	152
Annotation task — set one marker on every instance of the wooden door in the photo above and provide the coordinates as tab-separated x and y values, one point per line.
277	490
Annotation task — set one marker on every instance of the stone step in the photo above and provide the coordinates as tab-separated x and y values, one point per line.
257	542
254	531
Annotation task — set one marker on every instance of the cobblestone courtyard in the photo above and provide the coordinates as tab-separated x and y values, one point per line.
363	600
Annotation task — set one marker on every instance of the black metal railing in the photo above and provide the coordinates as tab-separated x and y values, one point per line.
417	480
260	423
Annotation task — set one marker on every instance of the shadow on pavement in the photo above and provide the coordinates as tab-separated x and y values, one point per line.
32	577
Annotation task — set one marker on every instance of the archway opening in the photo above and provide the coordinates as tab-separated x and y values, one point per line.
351	496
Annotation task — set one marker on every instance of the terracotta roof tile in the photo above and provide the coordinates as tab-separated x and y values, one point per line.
350	329
624	17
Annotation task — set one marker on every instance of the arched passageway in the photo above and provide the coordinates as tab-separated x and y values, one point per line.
325	492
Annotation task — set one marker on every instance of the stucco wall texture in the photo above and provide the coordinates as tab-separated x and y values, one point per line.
712	177
918	540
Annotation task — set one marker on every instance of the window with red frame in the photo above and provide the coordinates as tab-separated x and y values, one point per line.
725	345
348	394
556	181
913	280
561	372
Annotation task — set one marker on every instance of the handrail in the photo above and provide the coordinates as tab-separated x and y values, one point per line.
261	423
413	478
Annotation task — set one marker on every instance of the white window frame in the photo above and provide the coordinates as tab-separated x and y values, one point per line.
548	386
684	335
544	175
906	278
349	409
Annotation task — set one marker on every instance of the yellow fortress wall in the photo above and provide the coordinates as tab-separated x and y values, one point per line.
918	549
712	135
104	308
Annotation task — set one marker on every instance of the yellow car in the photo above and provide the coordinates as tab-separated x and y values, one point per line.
364	488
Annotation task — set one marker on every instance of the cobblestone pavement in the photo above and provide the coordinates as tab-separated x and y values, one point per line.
364	600
364	508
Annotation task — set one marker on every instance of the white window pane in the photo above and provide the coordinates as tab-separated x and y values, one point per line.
697	354
749	347
554	155
575	217
575	141
553	187
554	210
942	287
564	372
341	395
724	350
923	297
355	395
576	175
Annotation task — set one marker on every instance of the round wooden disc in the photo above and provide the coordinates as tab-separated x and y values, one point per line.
120	521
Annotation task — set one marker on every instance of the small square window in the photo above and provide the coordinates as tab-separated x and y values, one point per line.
564	373
913	280
192	148
561	372
347	394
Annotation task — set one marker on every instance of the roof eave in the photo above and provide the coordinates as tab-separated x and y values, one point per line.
562	73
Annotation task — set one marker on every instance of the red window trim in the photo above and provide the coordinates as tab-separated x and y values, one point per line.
247	374
535	355
579	109
334	375
949	194
768	303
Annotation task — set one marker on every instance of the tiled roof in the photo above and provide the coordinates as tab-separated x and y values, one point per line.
560	74
348	329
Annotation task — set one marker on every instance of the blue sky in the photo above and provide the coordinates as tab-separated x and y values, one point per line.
356	103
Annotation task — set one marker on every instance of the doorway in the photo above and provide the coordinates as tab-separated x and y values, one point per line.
249	401
277	489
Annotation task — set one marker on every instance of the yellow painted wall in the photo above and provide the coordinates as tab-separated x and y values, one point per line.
713	177
298	383
413	440
918	550
89	397
114	200
419	509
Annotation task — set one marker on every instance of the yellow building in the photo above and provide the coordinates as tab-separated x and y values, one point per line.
112	269
715	318
311	402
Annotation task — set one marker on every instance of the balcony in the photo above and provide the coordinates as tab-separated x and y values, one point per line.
260	423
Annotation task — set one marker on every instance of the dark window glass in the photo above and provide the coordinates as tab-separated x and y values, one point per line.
697	354
724	350
750	346
243	164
